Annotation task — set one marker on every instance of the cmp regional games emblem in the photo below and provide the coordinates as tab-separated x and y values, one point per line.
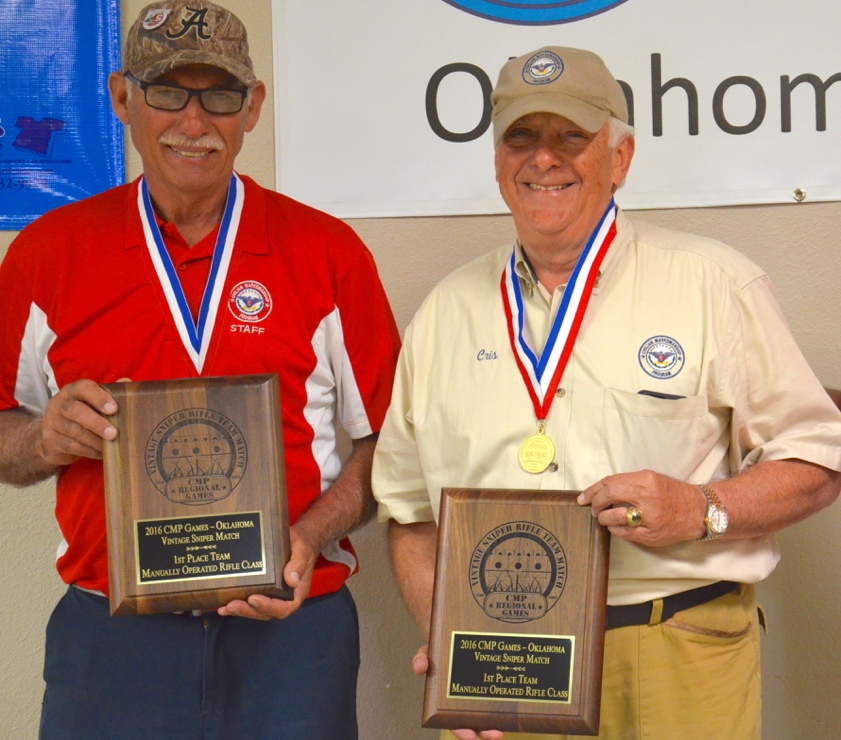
196	456
518	572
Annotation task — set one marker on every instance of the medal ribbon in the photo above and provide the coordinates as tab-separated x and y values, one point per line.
542	376
195	335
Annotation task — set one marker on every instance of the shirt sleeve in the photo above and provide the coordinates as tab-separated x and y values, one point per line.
25	337
780	409
398	480
370	344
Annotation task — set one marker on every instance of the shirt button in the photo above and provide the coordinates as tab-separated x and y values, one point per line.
182	266
553	467
560	393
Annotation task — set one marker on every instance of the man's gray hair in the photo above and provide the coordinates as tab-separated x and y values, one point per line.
618	130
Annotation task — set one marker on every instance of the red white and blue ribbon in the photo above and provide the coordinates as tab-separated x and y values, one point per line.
542	373
195	335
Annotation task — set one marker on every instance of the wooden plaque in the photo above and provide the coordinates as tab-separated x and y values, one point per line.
518	614
195	494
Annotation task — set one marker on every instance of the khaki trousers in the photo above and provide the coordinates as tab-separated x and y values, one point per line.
693	677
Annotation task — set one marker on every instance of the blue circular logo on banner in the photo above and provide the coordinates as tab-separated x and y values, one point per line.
535	12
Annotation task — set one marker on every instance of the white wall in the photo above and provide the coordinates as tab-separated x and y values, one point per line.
797	244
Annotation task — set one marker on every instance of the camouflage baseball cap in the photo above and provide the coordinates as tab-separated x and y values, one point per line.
176	33
572	83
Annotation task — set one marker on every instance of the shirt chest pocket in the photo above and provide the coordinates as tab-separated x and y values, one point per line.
668	435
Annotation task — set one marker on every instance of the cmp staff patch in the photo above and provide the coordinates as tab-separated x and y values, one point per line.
535	12
250	301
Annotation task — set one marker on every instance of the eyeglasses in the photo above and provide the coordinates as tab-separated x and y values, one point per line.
218	101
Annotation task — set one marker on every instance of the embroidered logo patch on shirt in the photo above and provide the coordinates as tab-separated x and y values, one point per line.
661	357
250	301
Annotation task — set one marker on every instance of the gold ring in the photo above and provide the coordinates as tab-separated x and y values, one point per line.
633	518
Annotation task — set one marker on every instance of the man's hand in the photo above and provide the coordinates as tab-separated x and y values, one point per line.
761	500
297	573
420	665
74	424
672	511
33	447
345	505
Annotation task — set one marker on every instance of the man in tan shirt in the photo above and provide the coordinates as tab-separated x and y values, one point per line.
657	369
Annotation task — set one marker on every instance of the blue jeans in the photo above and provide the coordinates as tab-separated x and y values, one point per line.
180	677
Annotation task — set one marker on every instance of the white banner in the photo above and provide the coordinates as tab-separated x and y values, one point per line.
382	105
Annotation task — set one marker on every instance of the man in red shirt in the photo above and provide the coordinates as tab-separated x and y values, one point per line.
191	271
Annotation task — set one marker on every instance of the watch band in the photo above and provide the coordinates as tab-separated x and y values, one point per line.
714	502
712	496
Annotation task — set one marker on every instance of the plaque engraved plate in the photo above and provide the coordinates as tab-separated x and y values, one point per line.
519	612
195	494
193	548
505	666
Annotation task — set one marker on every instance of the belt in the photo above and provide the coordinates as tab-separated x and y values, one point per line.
625	616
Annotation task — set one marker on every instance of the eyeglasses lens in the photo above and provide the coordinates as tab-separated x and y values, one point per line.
165	97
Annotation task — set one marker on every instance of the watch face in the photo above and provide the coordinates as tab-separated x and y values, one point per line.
718	520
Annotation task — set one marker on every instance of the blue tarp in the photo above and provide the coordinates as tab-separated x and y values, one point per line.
59	138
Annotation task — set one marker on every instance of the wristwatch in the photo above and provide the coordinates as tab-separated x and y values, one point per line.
716	519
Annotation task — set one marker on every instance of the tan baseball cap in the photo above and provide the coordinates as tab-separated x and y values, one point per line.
173	34
572	83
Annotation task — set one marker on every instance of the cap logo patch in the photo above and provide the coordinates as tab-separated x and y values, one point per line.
155	18
543	68
196	20
661	357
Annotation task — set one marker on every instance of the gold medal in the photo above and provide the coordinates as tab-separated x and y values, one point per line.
537	452
542	371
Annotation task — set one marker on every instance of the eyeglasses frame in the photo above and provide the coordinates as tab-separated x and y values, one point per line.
191	93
